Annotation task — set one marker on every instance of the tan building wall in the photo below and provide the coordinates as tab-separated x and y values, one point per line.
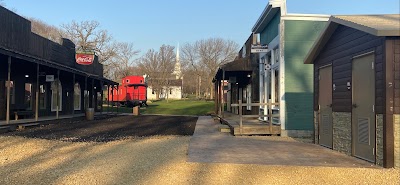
396	123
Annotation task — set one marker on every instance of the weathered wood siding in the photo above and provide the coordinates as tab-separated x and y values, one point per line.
16	36
271	30
395	42
344	44
14	31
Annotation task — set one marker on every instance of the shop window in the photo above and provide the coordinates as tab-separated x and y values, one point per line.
56	93
99	102
28	96
86	98
42	97
277	86
12	92
77	97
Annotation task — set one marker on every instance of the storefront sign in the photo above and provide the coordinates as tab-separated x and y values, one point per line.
49	78
84	57
259	48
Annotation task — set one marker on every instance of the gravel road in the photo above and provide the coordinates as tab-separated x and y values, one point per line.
153	160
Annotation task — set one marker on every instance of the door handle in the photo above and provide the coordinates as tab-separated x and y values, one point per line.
355	106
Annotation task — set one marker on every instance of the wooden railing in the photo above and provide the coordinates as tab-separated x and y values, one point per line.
240	105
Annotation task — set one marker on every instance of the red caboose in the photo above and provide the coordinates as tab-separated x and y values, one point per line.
131	92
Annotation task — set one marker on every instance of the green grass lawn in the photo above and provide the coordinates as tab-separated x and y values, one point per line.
173	107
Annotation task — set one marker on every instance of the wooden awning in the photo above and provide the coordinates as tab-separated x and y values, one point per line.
239	67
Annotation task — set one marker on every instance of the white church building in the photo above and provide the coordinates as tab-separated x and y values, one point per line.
172	91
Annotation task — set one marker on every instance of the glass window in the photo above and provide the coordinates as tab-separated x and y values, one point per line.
99	102
86	100
28	96
56	92
42	97
77	97
12	92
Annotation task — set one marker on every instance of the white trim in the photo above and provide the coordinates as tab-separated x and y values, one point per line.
274	43
313	17
282	101
271	5
288	18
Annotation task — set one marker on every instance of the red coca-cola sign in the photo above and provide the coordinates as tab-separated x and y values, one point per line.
84	57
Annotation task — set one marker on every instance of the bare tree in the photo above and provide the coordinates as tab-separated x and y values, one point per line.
123	63
45	30
87	35
205	56
159	66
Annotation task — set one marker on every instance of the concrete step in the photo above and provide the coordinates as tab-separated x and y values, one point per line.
224	128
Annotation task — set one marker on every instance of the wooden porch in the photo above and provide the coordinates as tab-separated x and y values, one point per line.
250	124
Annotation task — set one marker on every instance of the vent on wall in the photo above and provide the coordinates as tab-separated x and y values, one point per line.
325	124
363	131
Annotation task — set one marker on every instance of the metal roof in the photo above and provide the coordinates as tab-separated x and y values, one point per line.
378	25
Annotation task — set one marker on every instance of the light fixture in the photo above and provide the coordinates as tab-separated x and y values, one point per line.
248	75
237	83
26	76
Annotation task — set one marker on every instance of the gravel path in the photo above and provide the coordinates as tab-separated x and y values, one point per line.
153	160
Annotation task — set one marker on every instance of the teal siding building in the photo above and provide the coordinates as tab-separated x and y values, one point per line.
284	79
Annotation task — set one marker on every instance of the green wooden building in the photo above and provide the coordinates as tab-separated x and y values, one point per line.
284	79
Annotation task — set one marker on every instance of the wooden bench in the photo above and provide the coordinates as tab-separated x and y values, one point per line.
23	113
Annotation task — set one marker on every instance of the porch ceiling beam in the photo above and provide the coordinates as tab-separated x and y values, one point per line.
48	63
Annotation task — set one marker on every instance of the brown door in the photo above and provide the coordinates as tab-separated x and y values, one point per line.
363	113
325	103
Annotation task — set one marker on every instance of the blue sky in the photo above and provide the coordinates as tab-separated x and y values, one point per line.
149	24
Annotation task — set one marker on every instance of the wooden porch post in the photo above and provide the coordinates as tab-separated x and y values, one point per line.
8	90
85	94
37	94
117	97
270	116
216	98
101	96
93	95
73	94
240	116
58	93
112	95
108	98
222	93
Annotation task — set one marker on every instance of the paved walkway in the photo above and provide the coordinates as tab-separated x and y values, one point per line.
208	145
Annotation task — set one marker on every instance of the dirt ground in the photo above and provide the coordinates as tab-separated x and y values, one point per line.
107	128
44	156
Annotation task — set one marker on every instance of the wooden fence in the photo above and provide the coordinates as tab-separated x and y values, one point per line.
240	105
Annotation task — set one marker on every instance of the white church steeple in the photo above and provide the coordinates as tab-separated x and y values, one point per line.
177	71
